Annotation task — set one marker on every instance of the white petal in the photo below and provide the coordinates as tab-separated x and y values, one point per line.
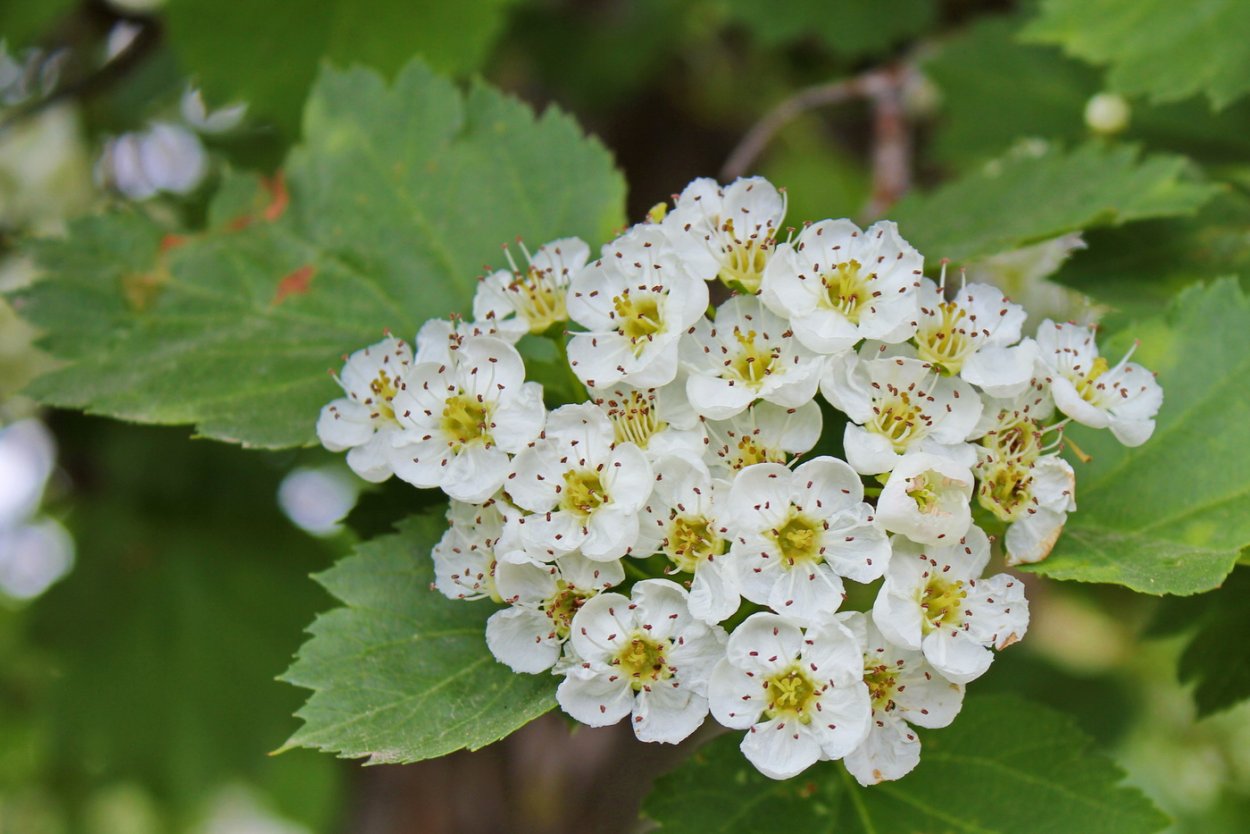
595	700
521	639
667	713
780	749
891	751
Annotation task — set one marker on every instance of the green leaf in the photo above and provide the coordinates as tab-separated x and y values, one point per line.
1030	197
1216	659
1171	516
21	24
396	201
1140	270
1160	48
1005	765
849	27
401	673
186	599
267	53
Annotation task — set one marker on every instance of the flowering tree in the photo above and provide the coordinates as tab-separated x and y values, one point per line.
728	468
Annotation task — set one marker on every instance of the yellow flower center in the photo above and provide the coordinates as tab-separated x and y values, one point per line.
743	262
691	540
798	539
791	693
748	453
882	681
638	318
754	361
946	343
383	389
1017	439
942	604
921	490
846	289
539	300
583	492
900	421
642	660
1087	386
465	420
562	605
634	419
1005	489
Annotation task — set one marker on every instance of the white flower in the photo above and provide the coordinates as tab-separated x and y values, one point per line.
685	519
465	557
438	339
838	285
363	423
975	335
462	418
763	433
647	656
659	421
727	233
543	598
748	353
1011	427
927	499
1036	497
636	302
533	300
904	690
585	492
1125	398
900	405
797	533
934	599
801	696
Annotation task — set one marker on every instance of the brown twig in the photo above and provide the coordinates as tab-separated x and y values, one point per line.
882	87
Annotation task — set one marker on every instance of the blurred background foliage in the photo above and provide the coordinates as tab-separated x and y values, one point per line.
153	585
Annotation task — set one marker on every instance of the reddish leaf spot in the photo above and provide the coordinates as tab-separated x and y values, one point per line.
278	197
295	284
172	241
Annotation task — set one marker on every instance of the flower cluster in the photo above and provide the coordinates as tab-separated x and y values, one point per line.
680	541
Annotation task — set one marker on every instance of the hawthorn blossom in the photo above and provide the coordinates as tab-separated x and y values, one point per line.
646	656
463	418
975	335
904	690
465	557
686	519
363	423
659	421
1124	398
897	405
1035	497
800	695
543	598
838	285
763	433
727	233
927	499
748	353
532	300
584	491
935	600
636	302
798	533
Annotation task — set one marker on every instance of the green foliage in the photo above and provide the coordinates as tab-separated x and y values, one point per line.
397	199
1029	197
401	673
167	634
1160	48
22	24
1140	270
848	28
1005	765
267	53
1171	516
1221	676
